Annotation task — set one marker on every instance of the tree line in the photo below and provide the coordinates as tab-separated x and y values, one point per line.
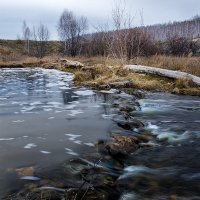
186	29
35	40
121	41
70	30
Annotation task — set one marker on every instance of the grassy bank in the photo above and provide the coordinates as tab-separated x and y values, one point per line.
100	72
101	76
186	64
108	71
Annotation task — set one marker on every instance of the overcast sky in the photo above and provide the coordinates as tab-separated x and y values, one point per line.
13	12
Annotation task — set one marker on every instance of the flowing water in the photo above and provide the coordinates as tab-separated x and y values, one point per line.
45	122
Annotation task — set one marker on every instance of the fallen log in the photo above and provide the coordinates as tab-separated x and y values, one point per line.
163	72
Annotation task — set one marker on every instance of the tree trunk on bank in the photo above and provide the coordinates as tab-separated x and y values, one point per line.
163	72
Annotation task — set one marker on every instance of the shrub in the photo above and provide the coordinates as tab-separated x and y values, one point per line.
179	46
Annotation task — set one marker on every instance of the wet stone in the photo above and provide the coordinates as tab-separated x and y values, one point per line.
136	93
98	178
86	194
127	109
129	124
123	145
121	84
144	138
38	195
26	171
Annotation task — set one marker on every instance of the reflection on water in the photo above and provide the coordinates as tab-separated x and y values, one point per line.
45	122
40	111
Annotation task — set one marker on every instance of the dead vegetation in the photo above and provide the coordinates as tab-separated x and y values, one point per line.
102	72
185	64
109	70
102	76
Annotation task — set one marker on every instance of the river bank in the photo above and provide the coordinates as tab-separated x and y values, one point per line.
98	74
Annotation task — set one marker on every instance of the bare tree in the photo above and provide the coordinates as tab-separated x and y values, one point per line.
179	46
41	37
117	40
71	29
126	42
26	37
121	23
185	29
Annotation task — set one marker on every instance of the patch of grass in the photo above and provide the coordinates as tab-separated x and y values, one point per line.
184	83
101	75
185	64
28	61
102	71
82	76
110	71
148	82
190	91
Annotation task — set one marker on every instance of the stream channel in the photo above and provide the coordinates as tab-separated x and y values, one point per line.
54	141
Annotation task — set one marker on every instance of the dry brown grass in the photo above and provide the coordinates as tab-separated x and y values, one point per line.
82	76
186	64
100	75
103	60
97	75
27	61
184	83
150	82
189	91
104	70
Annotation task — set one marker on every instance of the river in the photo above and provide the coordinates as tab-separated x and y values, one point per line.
45	121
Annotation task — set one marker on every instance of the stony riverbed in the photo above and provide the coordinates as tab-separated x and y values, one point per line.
58	141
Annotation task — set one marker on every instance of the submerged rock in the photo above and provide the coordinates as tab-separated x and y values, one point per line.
85	194
129	124
136	93
127	109
25	171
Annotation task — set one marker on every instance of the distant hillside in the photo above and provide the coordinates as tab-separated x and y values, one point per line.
188	29
177	38
18	45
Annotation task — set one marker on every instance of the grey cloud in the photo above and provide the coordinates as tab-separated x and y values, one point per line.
13	12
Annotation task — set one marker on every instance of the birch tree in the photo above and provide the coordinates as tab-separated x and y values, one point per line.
41	37
70	30
26	37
